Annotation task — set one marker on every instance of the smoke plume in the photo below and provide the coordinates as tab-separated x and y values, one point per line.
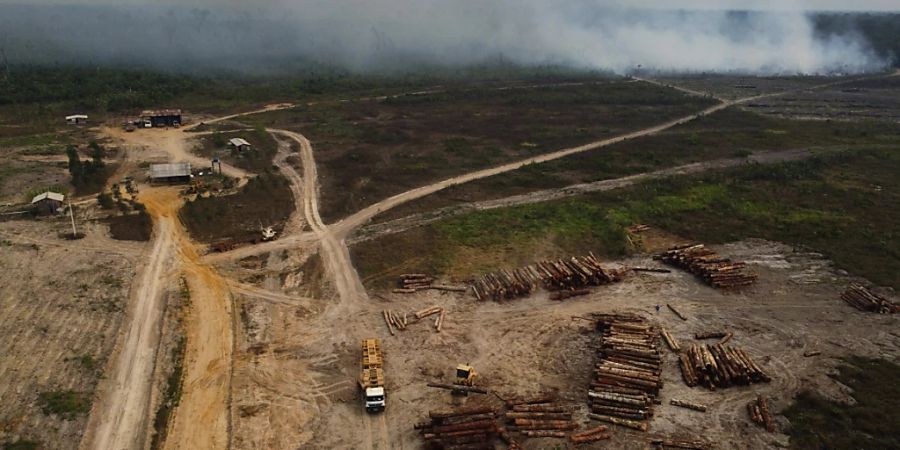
386	35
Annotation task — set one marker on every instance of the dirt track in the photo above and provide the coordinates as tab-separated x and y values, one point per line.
120	419
402	224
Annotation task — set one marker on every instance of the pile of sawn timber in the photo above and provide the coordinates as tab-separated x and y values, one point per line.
708	265
719	366
627	377
865	300
467	429
572	274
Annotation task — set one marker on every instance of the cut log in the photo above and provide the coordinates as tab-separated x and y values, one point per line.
677	313
456	387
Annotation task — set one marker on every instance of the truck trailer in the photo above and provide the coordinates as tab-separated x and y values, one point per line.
371	377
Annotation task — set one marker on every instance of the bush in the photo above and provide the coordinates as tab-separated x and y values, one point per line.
66	404
105	200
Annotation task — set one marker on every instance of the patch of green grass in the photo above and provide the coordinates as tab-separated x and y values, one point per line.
871	423
806	203
21	445
66	404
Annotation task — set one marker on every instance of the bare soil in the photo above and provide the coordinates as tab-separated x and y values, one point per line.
62	304
296	366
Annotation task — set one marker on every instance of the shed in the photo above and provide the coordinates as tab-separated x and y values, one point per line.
239	144
76	119
170	173
162	117
48	203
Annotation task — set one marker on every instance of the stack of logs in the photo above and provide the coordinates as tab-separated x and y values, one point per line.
409	283
865	300
760	414
711	267
401	321
468	429
627	377
573	274
540	417
719	366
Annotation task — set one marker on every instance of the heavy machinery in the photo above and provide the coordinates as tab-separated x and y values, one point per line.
465	376
371	377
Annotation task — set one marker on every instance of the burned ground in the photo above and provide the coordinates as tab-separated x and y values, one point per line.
369	150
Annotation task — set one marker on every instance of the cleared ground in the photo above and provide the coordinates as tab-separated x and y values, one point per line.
298	365
62	305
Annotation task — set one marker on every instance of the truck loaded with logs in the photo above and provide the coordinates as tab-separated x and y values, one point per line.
371	377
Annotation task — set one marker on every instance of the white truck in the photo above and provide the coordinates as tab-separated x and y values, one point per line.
371	377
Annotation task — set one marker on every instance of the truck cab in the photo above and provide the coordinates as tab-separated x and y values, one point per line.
374	399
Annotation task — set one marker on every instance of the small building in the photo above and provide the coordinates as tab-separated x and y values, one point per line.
48	203
170	173
240	144
162	117
76	119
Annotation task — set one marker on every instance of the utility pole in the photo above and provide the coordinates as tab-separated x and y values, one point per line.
72	216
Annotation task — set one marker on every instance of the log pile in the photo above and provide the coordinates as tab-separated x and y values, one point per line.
573	274
467	429
760	413
627	377
863	299
409	283
720	366
398	322
540	417
711	267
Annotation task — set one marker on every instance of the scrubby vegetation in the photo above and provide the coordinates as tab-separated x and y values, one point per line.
266	200
66	404
131	227
258	159
834	204
870	423
726	134
369	150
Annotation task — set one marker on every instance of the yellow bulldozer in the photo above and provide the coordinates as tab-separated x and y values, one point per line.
465	376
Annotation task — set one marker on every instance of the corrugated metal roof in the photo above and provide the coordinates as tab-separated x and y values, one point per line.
160	112
51	195
76	116
237	142
170	170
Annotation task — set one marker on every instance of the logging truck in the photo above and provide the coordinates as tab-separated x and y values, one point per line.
371	377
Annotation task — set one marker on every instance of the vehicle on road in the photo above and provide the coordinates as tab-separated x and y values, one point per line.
371	377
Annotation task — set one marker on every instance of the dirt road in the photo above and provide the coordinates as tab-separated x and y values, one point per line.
120	420
202	417
405	223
